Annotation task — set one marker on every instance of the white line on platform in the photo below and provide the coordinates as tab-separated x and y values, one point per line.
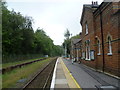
54	76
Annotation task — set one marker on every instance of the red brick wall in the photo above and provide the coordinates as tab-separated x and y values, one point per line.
110	28
88	16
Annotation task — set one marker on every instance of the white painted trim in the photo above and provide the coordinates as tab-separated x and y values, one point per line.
109	54
88	59
86	34
99	54
86	29
54	76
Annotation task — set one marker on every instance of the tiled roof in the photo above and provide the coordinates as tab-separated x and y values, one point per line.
74	41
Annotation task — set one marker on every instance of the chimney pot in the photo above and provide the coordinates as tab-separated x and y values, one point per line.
92	2
96	2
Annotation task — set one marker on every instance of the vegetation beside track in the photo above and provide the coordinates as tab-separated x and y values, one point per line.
11	79
17	62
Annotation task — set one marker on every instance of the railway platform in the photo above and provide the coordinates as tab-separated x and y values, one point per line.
62	78
90	79
78	76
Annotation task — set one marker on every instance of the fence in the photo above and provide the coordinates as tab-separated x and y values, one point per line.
14	58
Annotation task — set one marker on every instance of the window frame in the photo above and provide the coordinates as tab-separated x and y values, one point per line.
87	54
83	55
86	28
99	51
109	46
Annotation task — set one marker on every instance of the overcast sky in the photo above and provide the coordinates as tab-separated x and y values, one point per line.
54	16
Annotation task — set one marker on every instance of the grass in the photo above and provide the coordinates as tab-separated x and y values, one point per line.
18	62
0	81
11	78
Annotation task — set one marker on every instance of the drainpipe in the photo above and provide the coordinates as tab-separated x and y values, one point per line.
101	25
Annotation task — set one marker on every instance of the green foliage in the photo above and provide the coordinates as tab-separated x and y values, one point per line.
5	65
43	43
19	38
67	34
76	37
67	41
67	44
21	73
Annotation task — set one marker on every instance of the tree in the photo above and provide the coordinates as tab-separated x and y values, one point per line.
67	34
67	42
19	38
76	36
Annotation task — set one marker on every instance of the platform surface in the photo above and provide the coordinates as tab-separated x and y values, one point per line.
62	78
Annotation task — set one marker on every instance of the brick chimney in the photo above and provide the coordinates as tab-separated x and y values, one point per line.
95	4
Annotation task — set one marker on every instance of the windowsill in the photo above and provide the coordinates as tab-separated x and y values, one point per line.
87	59
99	54
109	54
86	34
82	58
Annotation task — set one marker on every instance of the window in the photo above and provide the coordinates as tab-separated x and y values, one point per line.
88	50
83	55
109	46
92	54
86	27
98	47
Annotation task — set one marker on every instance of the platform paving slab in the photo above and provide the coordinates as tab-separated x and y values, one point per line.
63	78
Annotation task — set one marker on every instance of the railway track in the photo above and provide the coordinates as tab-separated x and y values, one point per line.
43	78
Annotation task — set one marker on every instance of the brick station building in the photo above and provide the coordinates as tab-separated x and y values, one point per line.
101	37
76	49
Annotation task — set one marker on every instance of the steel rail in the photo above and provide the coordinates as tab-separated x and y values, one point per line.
48	79
26	85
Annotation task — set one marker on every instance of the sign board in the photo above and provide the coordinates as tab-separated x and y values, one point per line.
46	55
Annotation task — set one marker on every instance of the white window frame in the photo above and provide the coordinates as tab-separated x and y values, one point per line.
109	46
98	48
86	29
86	56
88	51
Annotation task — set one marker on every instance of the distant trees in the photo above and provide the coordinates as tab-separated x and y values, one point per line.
67	34
19	38
76	36
67	41
43	43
